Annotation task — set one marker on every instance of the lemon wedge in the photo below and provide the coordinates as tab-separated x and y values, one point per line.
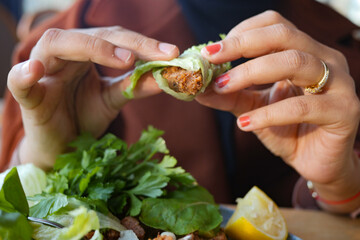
256	217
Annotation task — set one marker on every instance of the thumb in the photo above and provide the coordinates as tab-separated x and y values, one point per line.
23	83
146	87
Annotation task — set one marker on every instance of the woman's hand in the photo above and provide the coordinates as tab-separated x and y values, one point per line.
314	133
61	94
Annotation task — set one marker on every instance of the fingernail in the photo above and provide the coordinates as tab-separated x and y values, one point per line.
213	48
25	68
166	48
244	121
122	54
222	80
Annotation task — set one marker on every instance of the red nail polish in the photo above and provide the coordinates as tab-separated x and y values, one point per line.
244	121
213	48
222	80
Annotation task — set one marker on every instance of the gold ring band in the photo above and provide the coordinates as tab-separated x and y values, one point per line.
318	87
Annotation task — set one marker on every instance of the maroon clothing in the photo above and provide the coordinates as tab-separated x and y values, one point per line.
191	130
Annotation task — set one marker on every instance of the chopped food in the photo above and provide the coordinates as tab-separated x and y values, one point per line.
181	80
183	77
133	224
108	234
165	237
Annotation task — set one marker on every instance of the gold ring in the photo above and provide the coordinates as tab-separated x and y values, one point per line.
318	87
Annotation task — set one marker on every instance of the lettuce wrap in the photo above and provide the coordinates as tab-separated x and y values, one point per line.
191	61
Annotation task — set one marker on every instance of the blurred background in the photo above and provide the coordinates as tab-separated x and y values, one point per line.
348	8
18	17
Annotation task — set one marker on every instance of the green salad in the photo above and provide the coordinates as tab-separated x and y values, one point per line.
101	182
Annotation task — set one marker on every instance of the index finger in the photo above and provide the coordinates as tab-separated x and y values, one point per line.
262	36
57	46
263	19
143	47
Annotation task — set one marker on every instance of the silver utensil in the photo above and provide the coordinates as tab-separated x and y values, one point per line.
48	223
45	222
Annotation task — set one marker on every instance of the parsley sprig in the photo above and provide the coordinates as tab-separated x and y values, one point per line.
108	175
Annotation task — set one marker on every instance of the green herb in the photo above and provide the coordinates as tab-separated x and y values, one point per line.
14	209
195	206
48	204
107	175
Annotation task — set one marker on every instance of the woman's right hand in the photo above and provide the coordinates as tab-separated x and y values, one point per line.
61	94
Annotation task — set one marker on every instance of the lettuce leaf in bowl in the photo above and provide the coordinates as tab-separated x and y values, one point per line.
14	208
78	223
173	214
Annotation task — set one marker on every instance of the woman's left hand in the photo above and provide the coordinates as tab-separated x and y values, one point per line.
313	133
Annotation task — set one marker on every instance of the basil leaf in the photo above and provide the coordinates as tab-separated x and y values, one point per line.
12	194
14	209
185	212
179	216
14	225
193	194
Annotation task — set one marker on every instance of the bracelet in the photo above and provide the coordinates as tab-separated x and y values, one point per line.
316	196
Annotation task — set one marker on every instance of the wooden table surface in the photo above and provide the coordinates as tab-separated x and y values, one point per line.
318	225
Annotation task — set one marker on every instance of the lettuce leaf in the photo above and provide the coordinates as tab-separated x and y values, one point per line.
190	60
81	220
14	208
182	212
84	222
12	195
77	224
11	222
33	179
